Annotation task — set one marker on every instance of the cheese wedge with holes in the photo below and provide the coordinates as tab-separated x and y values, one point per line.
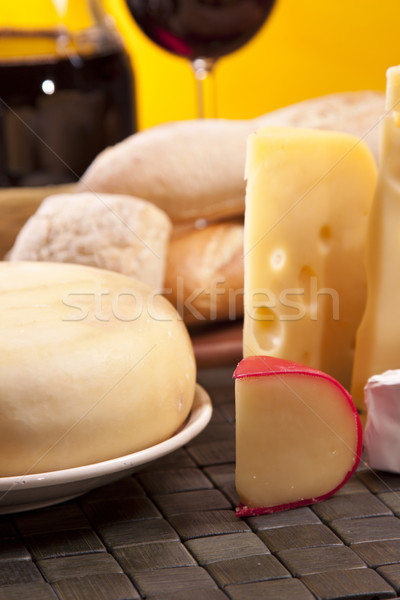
307	200
298	435
378	337
94	366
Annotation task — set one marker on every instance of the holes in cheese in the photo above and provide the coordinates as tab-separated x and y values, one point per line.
325	237
298	435
307	199
267	327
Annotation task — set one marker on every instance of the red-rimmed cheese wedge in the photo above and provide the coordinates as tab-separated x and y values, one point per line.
298	435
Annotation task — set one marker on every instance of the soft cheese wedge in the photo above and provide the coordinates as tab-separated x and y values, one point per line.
94	365
381	436
298	435
378	337
307	200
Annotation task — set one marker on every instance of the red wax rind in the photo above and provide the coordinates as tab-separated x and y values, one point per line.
263	366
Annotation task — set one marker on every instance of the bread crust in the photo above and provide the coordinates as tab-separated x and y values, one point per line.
114	232
195	169
204	274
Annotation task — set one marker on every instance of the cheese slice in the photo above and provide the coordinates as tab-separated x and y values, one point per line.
378	337
298	435
307	199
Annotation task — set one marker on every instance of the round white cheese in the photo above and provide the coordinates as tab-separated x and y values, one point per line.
94	366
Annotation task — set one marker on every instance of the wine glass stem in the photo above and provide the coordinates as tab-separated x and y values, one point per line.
204	72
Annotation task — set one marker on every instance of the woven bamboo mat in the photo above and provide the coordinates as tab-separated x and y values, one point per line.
169	532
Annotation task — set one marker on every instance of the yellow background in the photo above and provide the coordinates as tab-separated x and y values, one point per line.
307	48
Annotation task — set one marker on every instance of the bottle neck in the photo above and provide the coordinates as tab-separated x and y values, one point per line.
49	14
55	28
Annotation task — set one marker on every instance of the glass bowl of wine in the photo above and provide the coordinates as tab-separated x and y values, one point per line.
201	31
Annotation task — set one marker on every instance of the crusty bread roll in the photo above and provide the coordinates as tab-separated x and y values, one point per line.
115	232
94	366
357	113
17	205
204	275
195	169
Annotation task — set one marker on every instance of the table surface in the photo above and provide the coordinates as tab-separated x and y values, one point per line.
170	532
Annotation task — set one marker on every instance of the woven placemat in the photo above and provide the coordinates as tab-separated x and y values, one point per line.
170	532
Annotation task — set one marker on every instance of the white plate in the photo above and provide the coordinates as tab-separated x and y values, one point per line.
44	489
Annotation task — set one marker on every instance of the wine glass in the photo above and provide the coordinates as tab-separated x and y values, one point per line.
201	31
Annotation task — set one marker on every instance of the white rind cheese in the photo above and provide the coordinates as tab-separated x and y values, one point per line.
381	437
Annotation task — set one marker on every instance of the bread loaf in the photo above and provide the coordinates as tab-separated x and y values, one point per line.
204	275
119	233
94	366
192	170
195	169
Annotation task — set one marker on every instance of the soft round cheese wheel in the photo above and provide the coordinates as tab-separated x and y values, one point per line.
94	365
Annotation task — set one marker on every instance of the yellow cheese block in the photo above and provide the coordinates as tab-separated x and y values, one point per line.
307	199
378	337
298	435
94	365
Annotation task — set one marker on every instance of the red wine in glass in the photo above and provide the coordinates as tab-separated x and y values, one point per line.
200	30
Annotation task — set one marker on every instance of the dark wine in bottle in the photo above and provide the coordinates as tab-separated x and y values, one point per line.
57	114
